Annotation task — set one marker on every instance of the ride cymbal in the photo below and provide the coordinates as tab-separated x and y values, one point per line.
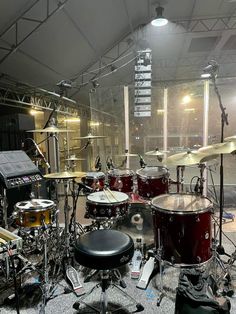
219	148
187	158
50	129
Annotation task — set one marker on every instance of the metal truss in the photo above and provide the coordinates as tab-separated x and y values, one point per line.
32	24
24	96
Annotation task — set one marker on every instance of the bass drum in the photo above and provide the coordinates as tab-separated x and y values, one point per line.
35	213
152	181
183	228
106	205
138	223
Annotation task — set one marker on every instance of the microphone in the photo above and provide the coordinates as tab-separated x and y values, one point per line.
98	165
196	188
212	67
142	162
41	154
84	186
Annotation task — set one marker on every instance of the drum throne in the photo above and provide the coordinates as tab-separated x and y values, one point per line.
104	250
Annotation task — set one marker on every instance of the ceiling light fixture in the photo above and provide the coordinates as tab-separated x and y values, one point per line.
159	20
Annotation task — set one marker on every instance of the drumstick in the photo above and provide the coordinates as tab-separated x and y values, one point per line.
112	194
107	196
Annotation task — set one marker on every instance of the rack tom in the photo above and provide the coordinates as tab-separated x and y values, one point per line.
95	180
152	181
121	180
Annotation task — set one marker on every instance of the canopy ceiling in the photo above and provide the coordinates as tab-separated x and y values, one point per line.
45	41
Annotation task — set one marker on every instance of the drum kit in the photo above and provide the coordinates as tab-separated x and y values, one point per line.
178	226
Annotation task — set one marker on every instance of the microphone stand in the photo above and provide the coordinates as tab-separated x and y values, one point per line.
224	120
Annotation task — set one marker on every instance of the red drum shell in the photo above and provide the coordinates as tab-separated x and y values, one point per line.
121	180
183	228
95	180
105	205
152	181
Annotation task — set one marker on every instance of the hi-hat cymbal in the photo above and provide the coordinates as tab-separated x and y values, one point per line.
50	129
64	175
187	158
89	137
219	148
74	159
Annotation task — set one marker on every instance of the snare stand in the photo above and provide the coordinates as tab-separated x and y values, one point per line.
180	178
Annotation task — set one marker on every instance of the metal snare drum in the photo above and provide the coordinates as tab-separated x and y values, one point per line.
104	204
152	181
183	228
35	213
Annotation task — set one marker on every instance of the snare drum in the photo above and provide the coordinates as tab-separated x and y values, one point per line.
121	180
106	204
95	180
152	181
182	228
35	213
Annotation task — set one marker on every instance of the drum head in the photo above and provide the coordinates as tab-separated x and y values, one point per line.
95	175
34	205
181	203
107	197
120	172
152	172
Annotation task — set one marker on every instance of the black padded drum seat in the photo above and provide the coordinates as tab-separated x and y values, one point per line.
104	249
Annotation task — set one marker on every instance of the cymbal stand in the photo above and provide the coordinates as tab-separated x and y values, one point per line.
180	178
224	120
159	259
45	287
66	219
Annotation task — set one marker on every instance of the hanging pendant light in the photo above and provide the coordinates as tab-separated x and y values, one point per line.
159	20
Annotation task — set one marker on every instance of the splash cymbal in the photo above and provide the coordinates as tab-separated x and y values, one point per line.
50	129
219	148
187	158
64	175
89	137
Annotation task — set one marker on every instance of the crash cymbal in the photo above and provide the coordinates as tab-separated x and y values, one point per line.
89	137
74	159
50	129
156	153
187	158
61	175
79	174
230	138
219	148
128	155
